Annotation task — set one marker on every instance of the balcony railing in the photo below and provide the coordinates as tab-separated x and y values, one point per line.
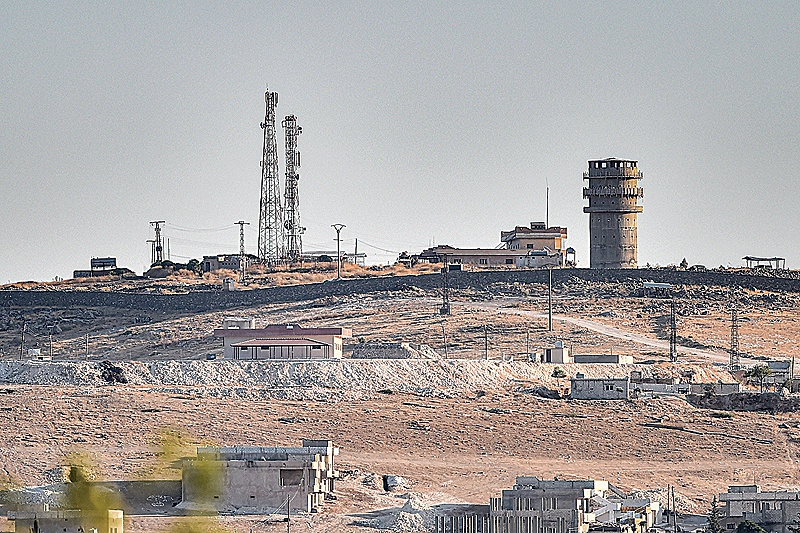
612	173
628	192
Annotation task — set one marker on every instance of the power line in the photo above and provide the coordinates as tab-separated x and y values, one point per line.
199	230
379	248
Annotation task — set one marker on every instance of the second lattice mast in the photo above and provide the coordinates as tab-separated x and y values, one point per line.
294	231
270	219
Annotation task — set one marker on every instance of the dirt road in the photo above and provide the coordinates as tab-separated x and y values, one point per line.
500	305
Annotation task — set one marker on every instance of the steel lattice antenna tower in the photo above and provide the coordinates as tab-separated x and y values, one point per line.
673	333
294	231
270	219
158	249
242	254
734	361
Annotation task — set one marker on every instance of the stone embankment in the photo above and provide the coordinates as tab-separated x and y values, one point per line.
345	379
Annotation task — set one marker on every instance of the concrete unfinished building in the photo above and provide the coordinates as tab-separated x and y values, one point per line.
613	192
255	479
775	511
536	505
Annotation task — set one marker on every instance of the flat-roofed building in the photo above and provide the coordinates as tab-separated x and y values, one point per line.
257	479
774	511
283	349
536	237
282	338
600	388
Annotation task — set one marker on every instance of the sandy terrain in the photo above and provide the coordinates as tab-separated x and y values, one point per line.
475	443
474	447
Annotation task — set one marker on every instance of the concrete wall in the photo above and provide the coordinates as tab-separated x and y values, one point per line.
220	300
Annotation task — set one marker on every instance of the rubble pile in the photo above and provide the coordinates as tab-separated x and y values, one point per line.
315	379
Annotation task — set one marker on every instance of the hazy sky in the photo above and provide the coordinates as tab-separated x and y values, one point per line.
423	122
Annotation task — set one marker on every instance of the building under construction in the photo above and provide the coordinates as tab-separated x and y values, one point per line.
613	194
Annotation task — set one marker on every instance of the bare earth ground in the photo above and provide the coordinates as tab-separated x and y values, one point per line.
468	454
769	323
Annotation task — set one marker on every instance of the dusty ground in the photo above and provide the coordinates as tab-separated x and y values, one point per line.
468	454
769	323
475	446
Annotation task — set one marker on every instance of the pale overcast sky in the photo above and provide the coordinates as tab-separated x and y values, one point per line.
423	122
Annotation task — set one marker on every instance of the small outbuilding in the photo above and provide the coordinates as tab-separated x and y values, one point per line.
600	388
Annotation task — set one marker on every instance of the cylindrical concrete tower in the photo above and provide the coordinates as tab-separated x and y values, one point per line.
613	194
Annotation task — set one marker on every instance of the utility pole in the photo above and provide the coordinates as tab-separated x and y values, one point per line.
338	228
444	337
242	254
528	343
547	205
445	309
549	299
288	513
734	351
485	342
673	333
22	343
158	247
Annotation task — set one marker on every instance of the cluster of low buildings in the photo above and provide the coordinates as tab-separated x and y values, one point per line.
239	479
291	480
536	505
536	246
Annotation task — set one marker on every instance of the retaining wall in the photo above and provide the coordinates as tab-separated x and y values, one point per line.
218	300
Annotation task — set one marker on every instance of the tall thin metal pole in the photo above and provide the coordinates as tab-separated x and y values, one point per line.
444	338
528	343
158	247
445	309
549	299
547	208
673	333
288	513
22	343
734	350
242	254
485	342
338	228
87	346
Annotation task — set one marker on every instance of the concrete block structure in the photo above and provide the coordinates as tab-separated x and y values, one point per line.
537	238
110	521
254	479
613	193
242	340
600	388
603	358
773	511
558	354
534	505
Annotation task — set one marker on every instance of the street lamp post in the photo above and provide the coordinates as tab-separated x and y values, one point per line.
338	228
